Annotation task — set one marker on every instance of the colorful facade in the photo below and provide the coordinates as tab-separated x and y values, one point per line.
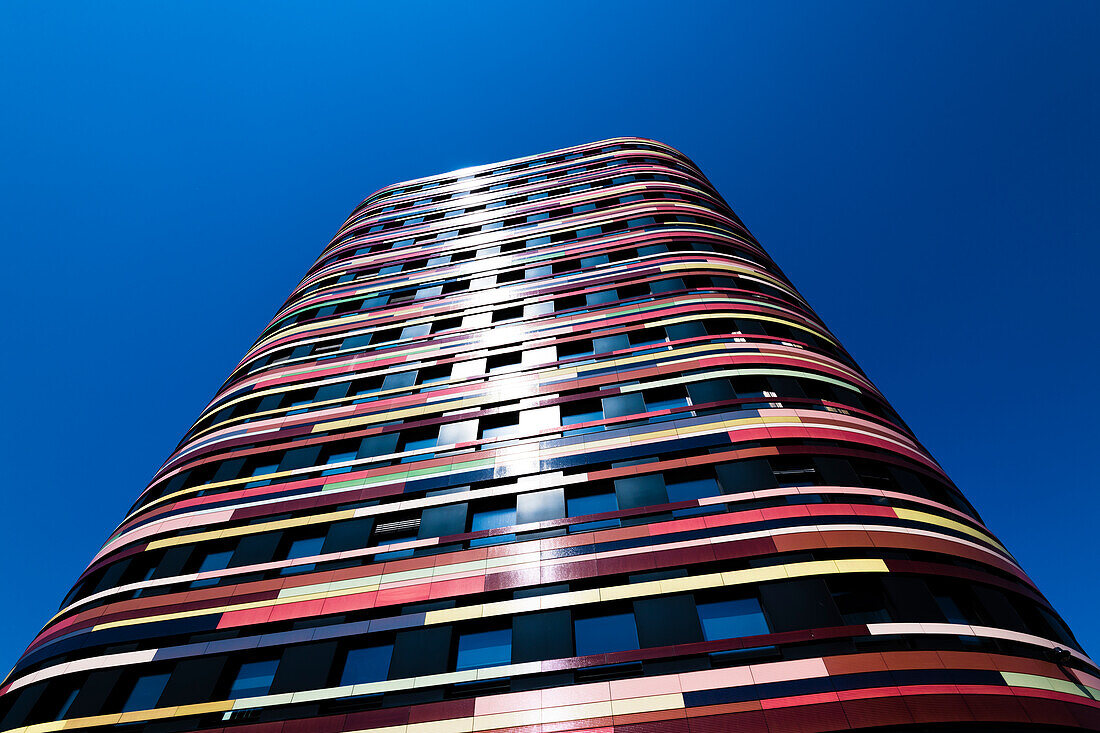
551	445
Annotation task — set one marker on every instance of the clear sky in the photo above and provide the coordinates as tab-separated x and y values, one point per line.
926	173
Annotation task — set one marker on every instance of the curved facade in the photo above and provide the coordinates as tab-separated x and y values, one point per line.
551	445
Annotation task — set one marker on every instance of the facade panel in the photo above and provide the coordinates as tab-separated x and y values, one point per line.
551	445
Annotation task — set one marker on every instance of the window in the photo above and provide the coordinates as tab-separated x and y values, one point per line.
693	488
582	411
338	458
499	426
455	286
503	361
416	440
146	691
214	560
493	519
366	664
253	678
446	323
583	347
303	547
950	607
859	604
592	503
664	398
434	374
732	619
66	703
601	634
513	313
484	649
263	470
794	471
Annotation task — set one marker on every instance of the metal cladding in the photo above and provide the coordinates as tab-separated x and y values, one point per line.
551	445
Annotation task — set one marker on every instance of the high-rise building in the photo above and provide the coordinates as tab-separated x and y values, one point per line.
551	445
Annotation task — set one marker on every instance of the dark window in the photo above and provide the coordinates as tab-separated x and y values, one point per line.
145	693
545	635
614	632
350	534
732	619
592	502
689	487
580	348
710	390
859	600
253	678
499	425
667	620
366	664
493	518
741	476
623	405
419	652
399	380
303	547
799	604
639	491
212	560
503	361
440	521
484	648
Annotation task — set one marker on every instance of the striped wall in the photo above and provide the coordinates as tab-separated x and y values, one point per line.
551	445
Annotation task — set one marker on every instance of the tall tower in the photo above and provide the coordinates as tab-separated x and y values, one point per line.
551	445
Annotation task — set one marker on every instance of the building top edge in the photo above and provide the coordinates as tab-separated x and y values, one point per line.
475	169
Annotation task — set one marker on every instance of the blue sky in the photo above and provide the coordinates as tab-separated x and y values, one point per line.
926	173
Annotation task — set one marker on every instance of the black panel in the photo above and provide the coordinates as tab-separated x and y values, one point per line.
94	692
192	681
692	329
304	667
667	620
786	386
351	534
332	392
911	598
799	604
546	635
420	652
440	521
999	608
24	703
399	380
623	405
255	549
300	458
228	470
836	471
638	491
711	390
377	445
605	344
173	562
750	475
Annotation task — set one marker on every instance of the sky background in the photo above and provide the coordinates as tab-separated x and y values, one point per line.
926	173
